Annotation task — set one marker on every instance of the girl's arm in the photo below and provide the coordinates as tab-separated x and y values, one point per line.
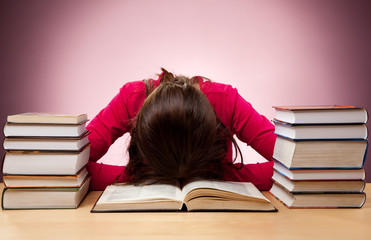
103	175
110	124
258	132
115	119
251	127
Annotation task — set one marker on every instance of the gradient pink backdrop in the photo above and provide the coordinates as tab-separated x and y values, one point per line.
73	56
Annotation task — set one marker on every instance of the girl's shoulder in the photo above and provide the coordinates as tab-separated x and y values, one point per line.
209	87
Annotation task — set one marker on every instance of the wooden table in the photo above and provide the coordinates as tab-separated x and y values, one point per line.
285	224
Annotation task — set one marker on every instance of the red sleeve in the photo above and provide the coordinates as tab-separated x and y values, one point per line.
103	175
115	119
251	127
259	174
110	124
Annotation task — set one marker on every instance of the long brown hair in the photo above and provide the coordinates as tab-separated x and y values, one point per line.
177	135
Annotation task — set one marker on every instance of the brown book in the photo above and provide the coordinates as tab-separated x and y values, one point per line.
21	181
317	199
320	174
319	185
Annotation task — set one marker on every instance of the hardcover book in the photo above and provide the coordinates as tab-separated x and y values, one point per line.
320	153
33	117
331	114
321	131
318	199
45	162
43	130
46	143
44	197
295	186
21	181
320	174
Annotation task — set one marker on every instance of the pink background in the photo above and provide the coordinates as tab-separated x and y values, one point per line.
73	56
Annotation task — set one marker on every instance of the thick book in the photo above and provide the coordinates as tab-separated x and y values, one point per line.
321	114
21	181
321	131
318	199
46	143
45	197
45	162
320	174
34	117
320	153
43	130
319	185
202	195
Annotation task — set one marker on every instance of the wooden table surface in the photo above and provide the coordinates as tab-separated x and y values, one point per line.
284	224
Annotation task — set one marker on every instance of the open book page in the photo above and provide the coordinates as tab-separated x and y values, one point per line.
243	188
123	193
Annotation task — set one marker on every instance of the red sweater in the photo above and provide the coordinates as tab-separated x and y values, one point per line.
235	112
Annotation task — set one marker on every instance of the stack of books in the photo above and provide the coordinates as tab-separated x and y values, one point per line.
319	156
45	159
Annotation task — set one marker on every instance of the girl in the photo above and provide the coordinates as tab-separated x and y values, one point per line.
181	128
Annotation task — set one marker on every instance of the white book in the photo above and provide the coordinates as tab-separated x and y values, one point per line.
43	130
44	143
321	114
320	131
45	162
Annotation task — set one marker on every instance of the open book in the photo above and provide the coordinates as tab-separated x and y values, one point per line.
201	195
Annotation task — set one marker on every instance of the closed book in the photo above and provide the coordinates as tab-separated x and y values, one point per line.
45	197
320	174
21	181
35	117
321	114
320	153
321	131
43	130
319	199
318	185
45	143
45	162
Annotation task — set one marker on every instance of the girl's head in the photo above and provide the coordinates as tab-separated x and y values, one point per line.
177	135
